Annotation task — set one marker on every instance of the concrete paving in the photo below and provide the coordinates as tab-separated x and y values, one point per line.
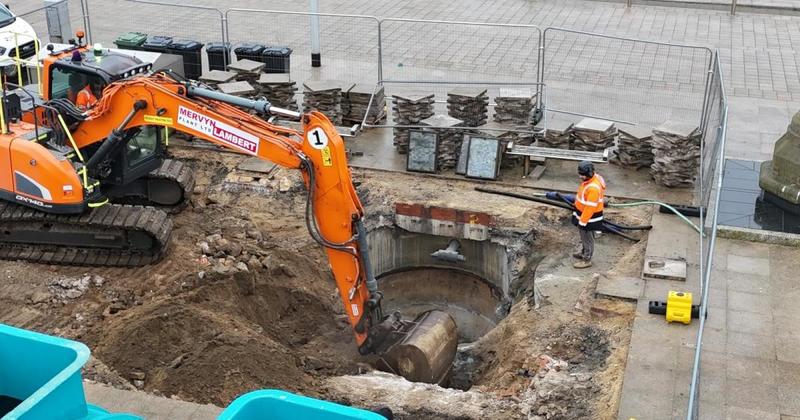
146	405
749	364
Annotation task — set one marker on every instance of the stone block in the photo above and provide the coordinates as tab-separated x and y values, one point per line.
630	288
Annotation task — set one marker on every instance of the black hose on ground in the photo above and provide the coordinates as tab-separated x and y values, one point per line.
606	225
526	197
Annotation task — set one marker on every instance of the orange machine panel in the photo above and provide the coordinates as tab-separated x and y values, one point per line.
40	178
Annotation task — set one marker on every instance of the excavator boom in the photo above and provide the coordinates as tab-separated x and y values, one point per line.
334	213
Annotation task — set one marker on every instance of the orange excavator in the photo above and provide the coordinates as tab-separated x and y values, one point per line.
92	186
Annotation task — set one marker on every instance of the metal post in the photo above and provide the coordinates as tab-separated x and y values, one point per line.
380	56
87	24
733	7
316	58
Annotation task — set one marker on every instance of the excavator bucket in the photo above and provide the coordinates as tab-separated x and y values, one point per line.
428	348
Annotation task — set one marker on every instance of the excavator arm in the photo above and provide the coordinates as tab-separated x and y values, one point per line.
419	350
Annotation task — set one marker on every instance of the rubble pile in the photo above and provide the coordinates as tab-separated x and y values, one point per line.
450	139
243	89
554	391
634	147
676	154
324	96
246	70
558	135
593	135
409	109
62	289
514	106
279	89
470	105
214	77
358	98
227	256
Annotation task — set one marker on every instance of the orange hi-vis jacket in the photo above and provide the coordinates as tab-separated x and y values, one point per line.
589	200
85	98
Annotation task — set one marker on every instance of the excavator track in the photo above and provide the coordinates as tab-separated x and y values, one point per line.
167	188
111	235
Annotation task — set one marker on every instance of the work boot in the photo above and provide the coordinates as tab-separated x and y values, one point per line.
582	264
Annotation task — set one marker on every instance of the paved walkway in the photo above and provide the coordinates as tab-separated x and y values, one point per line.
145	405
750	367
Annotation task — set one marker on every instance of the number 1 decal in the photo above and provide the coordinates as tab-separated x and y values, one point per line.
317	138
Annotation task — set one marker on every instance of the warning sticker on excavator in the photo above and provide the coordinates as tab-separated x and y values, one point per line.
326	157
155	119
218	130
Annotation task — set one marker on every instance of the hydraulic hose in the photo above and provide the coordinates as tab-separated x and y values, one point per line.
633	204
667	206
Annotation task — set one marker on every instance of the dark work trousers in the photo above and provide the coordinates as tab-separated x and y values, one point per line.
587	240
587	236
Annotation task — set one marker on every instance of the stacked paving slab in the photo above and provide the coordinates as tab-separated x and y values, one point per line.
279	89
558	134
246	70
514	106
470	105
324	96
593	135
358	98
450	139
634	147
409	109
214	77
676	154
241	88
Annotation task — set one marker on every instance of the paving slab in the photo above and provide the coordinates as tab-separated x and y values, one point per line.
629	288
664	268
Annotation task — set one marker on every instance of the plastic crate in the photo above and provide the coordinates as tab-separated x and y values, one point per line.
191	51
249	51
219	55
277	59
157	43
40	378
281	405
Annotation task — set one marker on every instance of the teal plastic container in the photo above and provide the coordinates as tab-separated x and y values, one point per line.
271	404
40	378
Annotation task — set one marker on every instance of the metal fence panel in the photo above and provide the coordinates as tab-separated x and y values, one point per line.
415	50
38	19
349	44
623	79
180	21
713	169
713	124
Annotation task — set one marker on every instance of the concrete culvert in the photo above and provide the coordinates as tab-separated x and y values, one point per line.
472	302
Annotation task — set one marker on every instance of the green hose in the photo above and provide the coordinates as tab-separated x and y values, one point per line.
643	203
672	209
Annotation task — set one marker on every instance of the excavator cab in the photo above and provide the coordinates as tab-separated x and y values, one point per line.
125	173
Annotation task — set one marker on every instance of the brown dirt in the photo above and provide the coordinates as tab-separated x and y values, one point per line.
212	336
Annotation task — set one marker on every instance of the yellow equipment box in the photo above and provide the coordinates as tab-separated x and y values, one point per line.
679	307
